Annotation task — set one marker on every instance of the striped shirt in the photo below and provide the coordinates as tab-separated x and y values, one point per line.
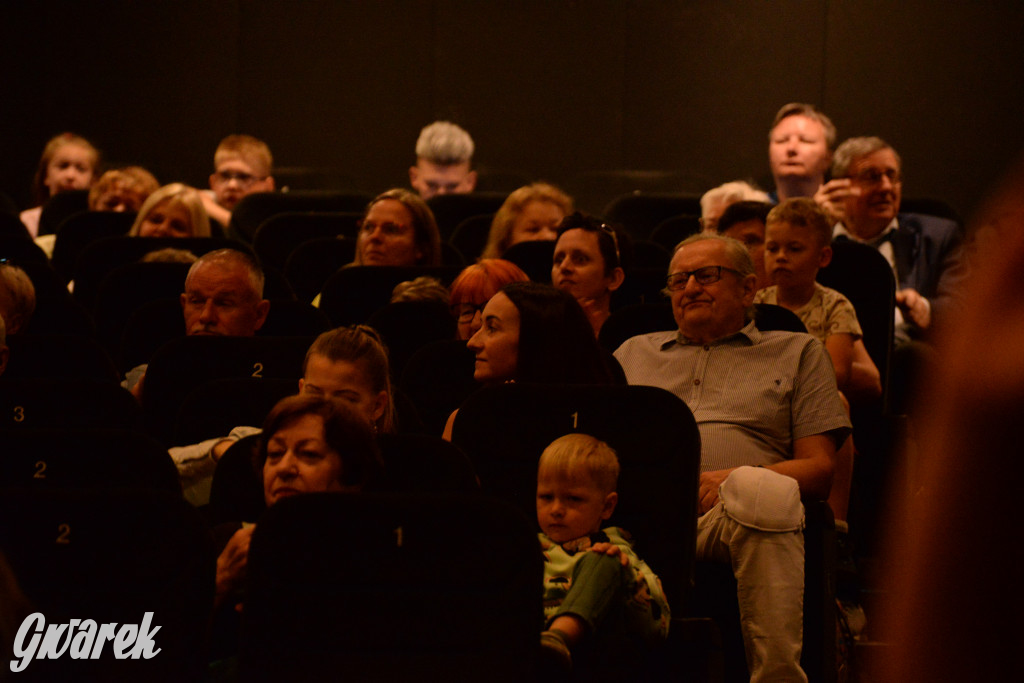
752	393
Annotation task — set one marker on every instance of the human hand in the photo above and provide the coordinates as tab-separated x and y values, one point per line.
137	389
611	550
915	307
232	561
832	195
707	492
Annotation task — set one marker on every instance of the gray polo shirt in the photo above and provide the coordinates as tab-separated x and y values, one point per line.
752	393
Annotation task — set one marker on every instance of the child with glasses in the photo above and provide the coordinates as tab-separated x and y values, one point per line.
602	603
242	166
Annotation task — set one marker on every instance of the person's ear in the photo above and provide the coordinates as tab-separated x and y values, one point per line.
380	404
749	285
213	179
302	383
414	175
471	181
262	308
610	501
269	183
825	257
617	277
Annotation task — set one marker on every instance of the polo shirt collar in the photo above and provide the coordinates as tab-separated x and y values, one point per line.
749	335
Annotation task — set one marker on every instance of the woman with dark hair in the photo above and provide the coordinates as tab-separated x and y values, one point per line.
556	342
309	444
475	286
535	333
588	264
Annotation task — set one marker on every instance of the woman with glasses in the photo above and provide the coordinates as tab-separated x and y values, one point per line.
587	264
474	287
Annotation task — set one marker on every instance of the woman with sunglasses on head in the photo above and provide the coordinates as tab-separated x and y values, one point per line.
587	264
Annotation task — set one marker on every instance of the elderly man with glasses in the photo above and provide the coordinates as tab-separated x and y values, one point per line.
770	419
924	251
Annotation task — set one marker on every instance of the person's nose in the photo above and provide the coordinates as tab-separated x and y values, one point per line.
692	288
557	510
287	467
209	312
474	342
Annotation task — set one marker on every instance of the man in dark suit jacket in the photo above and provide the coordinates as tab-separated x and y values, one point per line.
924	251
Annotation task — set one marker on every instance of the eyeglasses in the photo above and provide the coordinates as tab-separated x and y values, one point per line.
872	176
466	312
243	179
390	229
704	276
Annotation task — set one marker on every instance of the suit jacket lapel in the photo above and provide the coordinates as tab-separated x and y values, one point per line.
904	249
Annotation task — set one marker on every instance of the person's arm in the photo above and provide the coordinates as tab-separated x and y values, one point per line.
200	459
916	308
812	466
865	380
447	434
215	210
231	564
840	351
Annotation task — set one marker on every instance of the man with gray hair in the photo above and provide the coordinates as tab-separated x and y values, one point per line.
715	201
924	251
770	418
444	154
223	297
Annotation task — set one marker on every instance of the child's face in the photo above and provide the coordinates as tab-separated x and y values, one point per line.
235	178
167	219
571	508
71	168
793	255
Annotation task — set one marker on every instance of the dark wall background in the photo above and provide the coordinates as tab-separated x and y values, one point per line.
552	89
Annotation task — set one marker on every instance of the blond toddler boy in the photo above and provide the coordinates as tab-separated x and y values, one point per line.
599	596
